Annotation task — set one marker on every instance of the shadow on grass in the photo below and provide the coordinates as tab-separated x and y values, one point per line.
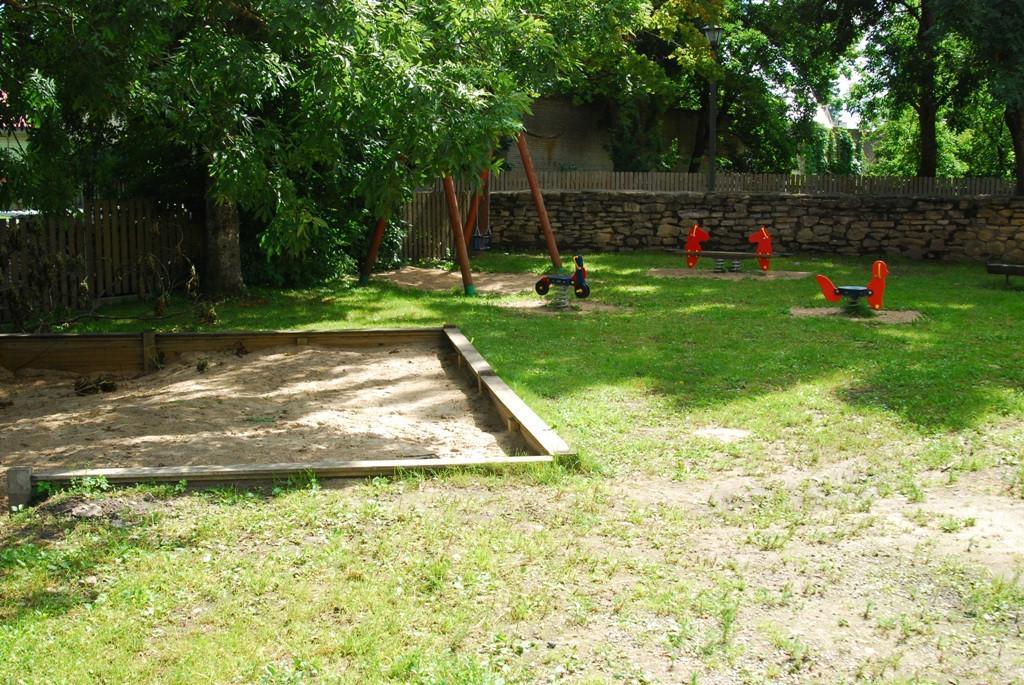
702	342
47	562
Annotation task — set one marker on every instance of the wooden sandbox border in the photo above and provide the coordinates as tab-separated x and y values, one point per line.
140	353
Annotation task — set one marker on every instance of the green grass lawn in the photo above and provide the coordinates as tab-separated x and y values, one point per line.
869	528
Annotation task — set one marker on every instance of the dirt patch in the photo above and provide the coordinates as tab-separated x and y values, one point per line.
984	529
722	434
112	508
274	406
886	316
729	275
439	280
575	307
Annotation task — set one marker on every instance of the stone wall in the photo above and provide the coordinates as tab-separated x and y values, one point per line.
973	228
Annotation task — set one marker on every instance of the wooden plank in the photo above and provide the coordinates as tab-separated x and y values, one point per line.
107	230
59	250
150	355
99	250
130	247
19	487
114	353
89	252
68	231
173	345
518	416
74	228
347	468
117	217
123	352
5	227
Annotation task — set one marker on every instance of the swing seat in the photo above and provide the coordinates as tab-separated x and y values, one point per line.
480	243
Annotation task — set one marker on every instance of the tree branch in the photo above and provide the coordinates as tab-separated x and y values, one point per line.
911	10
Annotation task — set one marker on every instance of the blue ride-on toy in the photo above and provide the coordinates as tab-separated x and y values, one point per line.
578	280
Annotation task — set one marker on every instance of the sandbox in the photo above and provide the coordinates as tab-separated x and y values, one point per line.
229	407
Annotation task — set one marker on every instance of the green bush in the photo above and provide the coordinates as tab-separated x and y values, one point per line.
334	251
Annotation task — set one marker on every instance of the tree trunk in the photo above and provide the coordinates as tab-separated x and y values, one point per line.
223	273
927	109
927	165
1015	122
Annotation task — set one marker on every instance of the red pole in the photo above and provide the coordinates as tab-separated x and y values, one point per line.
538	200
475	206
371	256
485	206
459	239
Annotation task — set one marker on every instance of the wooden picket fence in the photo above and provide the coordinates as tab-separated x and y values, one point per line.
110	249
429	237
786	184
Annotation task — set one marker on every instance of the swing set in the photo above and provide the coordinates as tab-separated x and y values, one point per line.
469	235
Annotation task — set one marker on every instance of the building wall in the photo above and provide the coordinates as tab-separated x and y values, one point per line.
567	137
564	137
970	228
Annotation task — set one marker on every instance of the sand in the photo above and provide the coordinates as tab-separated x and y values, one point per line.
439	280
273	406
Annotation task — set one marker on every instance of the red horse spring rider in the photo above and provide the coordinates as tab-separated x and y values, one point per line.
874	291
762	252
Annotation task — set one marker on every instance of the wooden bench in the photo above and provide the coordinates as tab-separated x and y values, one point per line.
1005	269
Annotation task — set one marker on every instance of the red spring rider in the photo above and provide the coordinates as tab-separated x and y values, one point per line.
764	247
761	238
694	238
874	291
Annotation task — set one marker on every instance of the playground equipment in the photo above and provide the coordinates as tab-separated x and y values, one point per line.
481	242
578	281
762	252
137	354
463	234
1005	269
478	232
874	291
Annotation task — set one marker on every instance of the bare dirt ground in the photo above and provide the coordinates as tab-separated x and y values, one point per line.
439	280
877	590
770	275
576	306
267	407
886	316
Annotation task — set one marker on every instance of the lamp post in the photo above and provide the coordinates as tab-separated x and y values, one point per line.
714	36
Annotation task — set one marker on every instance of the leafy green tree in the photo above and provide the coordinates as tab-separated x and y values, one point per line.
993	31
830	151
780	60
896	149
643	61
980	137
913	60
297	113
